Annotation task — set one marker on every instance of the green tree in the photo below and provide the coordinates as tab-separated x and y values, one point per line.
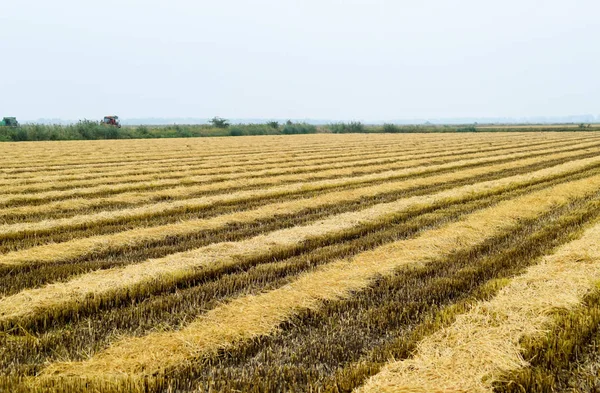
219	122
273	124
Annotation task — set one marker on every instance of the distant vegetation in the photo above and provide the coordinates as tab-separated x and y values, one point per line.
347	128
91	130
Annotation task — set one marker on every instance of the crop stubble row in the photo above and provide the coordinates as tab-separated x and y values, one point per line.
112	250
21	230
244	164
263	313
150	151
69	207
116	159
179	171
564	196
15	199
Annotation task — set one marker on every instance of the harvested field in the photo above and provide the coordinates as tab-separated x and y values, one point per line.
315	263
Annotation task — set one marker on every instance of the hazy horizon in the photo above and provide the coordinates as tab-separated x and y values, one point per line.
573	119
340	60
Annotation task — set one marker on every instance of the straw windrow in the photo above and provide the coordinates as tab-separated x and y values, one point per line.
145	212
482	344
122	200
183	168
263	313
101	282
95	153
199	186
300	263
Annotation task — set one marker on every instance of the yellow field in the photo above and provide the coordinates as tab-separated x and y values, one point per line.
313	263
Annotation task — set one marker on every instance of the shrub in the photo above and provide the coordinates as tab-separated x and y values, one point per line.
298	128
391	128
466	129
344	128
142	132
237	130
88	129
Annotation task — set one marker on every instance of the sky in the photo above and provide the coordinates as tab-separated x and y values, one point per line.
322	59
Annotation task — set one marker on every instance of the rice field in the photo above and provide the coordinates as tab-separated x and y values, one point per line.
310	263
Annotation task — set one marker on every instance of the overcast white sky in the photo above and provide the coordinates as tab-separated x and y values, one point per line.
327	59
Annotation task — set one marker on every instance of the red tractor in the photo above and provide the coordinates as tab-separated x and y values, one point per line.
112	121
